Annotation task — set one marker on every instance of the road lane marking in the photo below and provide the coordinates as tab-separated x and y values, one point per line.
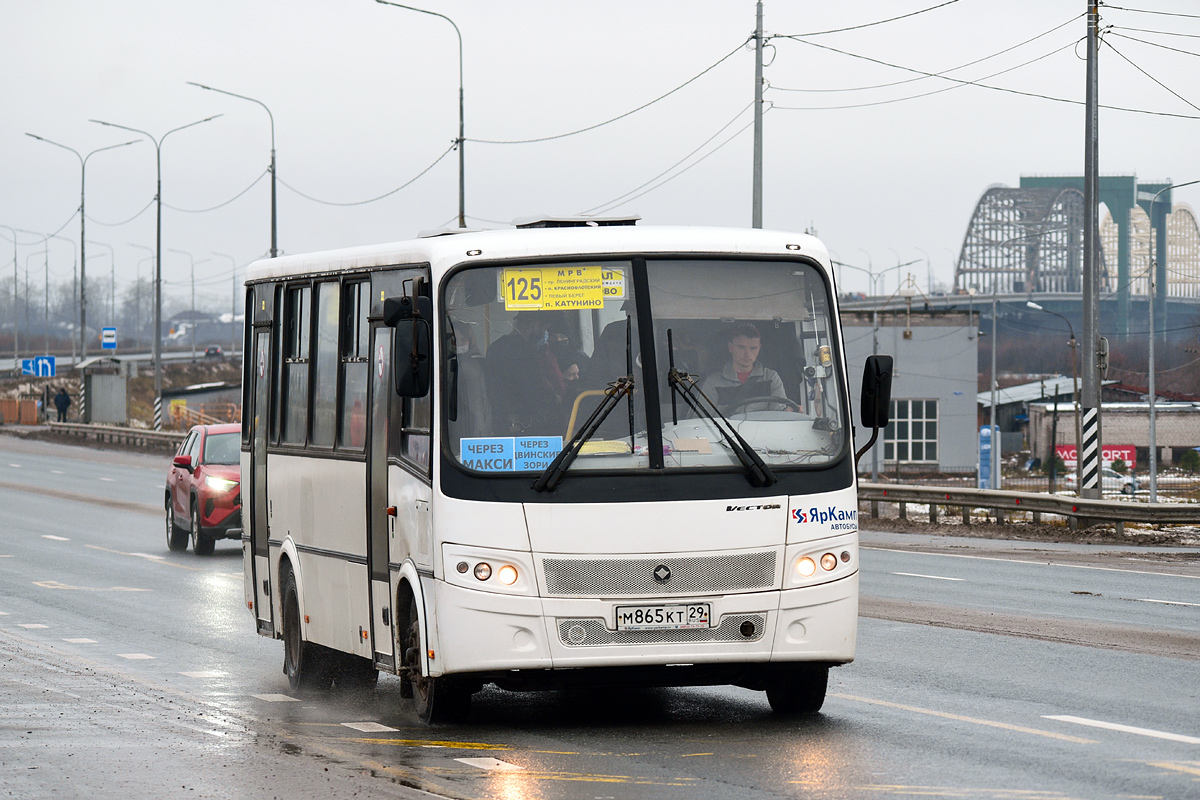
431	743
109	480
1168	602
205	673
110	503
162	561
1034	563
959	718
135	656
148	555
689	755
488	763
57	472
1186	767
8	556
276	698
931	577
15	466
59	585
30	626
80	641
1113	726
55	538
369	727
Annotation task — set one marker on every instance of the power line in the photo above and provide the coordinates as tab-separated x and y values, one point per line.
942	72
1155	44
373	199
933	92
1158	13
878	22
1151	77
986	86
221	205
673	166
1160	33
125	222
690	80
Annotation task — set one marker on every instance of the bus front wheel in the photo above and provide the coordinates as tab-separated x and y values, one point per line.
436	699
305	665
798	691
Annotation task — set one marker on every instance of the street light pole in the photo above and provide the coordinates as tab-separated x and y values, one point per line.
462	141
1074	384
82	220
756	207
274	248
157	255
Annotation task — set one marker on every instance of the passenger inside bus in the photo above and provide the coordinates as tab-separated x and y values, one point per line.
524	380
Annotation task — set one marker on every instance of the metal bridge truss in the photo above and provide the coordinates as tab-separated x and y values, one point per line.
1025	240
1183	251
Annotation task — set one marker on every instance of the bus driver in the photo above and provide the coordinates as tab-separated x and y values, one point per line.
743	377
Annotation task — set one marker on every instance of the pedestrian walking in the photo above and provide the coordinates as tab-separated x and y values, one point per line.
62	401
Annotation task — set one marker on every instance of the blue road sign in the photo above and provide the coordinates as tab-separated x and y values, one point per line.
108	338
42	366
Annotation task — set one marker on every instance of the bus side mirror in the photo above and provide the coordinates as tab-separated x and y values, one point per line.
875	404
413	355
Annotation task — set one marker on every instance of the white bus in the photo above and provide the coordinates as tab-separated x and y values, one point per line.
562	455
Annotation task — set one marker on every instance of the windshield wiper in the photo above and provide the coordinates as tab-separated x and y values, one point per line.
756	469
554	473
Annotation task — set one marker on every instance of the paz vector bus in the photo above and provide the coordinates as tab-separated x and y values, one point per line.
573	453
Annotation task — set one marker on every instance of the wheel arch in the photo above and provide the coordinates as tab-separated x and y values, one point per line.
288	560
409	592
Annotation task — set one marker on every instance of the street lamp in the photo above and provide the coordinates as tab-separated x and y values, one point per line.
1074	395
461	141
82	218
274	249
158	255
1150	367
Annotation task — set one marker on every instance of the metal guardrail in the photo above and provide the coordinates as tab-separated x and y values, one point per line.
1080	512
117	434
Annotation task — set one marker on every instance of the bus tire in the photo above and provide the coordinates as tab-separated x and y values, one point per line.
799	690
305	664
202	543
441	699
177	537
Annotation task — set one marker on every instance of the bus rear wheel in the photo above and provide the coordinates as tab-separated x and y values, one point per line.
800	690
441	699
306	665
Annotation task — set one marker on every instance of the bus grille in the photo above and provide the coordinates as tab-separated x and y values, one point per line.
593	632
633	577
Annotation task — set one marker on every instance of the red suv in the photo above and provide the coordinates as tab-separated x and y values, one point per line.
204	489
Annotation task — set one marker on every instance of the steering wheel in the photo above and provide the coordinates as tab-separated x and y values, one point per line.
764	399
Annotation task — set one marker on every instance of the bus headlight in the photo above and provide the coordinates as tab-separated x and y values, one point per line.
805	567
828	561
507	574
483	571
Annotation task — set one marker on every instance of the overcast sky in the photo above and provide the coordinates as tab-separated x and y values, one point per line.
365	97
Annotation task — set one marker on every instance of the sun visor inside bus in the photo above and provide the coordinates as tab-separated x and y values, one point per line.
775	292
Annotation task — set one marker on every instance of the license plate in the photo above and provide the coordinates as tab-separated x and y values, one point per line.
641	618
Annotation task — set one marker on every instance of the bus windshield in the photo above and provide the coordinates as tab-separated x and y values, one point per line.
530	350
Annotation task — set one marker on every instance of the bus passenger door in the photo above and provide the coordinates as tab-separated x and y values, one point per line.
380	524
259	516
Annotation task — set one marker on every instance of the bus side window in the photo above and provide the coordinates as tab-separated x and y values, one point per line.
352	428
414	436
296	343
325	365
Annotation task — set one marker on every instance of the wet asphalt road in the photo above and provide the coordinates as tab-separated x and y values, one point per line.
985	669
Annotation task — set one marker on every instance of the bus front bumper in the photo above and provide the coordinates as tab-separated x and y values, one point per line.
484	632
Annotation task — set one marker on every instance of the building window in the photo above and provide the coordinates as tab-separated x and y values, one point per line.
912	435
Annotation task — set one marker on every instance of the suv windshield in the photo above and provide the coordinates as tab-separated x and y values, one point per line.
530	351
223	448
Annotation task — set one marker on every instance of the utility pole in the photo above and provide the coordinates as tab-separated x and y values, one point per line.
756	211
1089	452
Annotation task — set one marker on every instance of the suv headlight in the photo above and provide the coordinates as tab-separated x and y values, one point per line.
219	484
